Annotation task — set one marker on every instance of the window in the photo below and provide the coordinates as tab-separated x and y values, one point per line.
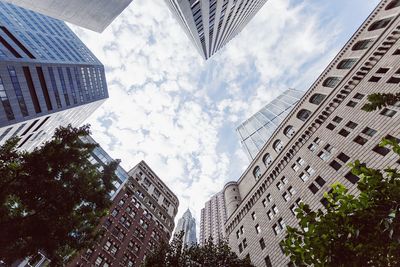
360	140
388	112
351	104
363	44
358	96
286	196
253	216
277	229
330	126
309	170
394	80
258	228
281	223
264	202
240	248
368	131
312	147
303	177
270	215
313	188
244	243
268	262
262	243
344	133
337	119
289	131
382	70
351	125
114	213
295	167
291	190
18	91
379	24
284	180
237	234
257	172
303	114
269	198
335	165
98	261
300	161
347	63
396	52
375	79
267	159
324	155
278	145
343	157
393	4
274	209
279	186
352	178
383	151
320	181
331	82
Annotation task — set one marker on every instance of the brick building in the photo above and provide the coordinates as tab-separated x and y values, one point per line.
142	214
310	149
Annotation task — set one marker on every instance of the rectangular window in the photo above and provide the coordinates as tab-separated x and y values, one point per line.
264	202
293	209
291	190
244	243
44	88
240	248
351	125
335	165
344	132
286	196
358	96
268	262
295	167
262	243
323	155
312	147
351	104
382	70
374	79
300	161
279	186
320	181
6	102
383	151
337	119
388	112
368	131
270	215
54	86
274	209
343	157
18	90
32	91
393	80
284	180
258	228
352	178
253	216
277	229
309	170
330	126
303	177
281	223
360	140
269	198
313	188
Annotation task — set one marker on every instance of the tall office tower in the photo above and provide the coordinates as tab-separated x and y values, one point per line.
141	216
328	129
210	24
95	15
213	217
256	130
187	224
48	77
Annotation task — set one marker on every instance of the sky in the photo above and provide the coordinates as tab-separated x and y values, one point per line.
179	113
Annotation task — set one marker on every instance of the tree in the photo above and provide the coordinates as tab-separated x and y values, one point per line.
176	254
381	100
362	230
51	199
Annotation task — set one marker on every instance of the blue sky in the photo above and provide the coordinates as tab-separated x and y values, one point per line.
179	113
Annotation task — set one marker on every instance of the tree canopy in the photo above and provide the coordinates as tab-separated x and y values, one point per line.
51	199
362	230
381	100
176	254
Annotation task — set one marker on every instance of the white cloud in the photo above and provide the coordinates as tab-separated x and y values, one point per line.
177	112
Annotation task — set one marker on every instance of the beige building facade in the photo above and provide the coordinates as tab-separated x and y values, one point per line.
328	129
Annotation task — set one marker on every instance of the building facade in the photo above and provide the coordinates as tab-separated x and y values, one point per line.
210	24
329	130
48	77
95	15
256	130
187	224
141	216
212	220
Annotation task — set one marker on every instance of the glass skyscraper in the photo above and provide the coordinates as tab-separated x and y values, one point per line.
48	77
210	24
187	224
256	130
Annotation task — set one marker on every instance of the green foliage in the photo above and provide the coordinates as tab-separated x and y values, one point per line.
361	230
381	100
51	199
176	254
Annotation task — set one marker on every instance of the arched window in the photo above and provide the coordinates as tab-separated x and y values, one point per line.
331	82
363	44
303	114
346	63
267	159
317	98
289	131
257	172
278	145
393	4
379	24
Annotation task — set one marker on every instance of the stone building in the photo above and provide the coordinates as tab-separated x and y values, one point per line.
328	130
212	219
141	216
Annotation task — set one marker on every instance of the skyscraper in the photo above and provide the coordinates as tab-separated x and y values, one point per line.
213	217
95	15
141	217
48	77
311	148
210	24
187	224
256	130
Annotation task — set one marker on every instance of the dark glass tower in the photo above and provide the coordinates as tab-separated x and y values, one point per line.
48	77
